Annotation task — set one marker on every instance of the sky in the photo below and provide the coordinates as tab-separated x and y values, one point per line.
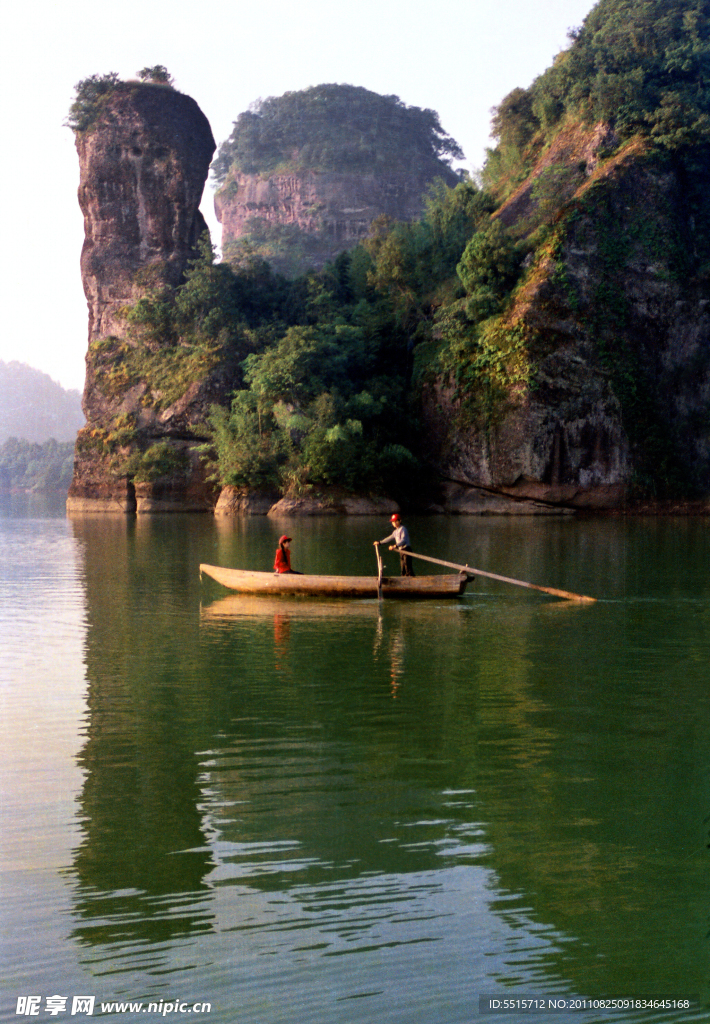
459	58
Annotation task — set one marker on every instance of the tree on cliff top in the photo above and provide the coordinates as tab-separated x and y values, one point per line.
90	94
158	74
642	66
335	128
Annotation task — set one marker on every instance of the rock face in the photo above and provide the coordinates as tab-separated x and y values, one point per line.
143	169
235	501
143	166
318	214
332	505
612	312
616	326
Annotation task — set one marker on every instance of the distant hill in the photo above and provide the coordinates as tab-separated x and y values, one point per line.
29	466
34	407
303	176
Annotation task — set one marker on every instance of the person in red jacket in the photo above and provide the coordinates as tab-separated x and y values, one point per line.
282	561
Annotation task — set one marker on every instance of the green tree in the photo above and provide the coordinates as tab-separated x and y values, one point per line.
158	74
29	466
488	270
308	361
90	94
514	122
412	262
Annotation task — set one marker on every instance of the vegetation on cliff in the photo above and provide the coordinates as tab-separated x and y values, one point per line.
91	94
328	370
640	66
176	337
334	128
319	367
322	366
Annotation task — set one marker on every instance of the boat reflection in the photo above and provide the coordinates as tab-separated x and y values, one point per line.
238	606
389	643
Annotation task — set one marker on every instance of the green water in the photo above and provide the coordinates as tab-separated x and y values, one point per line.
344	812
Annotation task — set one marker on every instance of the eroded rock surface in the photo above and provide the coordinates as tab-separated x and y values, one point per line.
143	167
616	332
327	212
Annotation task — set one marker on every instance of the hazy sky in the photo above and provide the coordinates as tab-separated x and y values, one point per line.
459	58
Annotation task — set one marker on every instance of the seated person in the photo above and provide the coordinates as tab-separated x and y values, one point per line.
282	561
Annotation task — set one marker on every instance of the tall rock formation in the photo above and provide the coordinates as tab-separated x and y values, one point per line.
144	161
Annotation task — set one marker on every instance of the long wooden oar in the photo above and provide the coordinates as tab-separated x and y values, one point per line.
505	579
379	571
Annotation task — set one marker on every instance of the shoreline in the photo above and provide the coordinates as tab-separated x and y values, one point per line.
654	507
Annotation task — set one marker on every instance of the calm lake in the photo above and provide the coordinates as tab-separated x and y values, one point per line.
343	813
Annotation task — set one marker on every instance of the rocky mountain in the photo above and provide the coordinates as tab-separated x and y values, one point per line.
304	175
144	158
539	345
36	408
603	396
303	219
560	436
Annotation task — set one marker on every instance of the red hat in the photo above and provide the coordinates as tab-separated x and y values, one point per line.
282	539
395	518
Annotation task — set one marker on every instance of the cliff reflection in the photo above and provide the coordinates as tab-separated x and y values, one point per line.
143	847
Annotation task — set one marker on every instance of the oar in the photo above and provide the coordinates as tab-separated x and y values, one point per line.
505	579
379	571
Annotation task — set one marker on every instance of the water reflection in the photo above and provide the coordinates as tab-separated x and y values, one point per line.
143	858
391	646
388	645
319	778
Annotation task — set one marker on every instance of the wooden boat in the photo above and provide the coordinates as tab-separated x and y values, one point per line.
246	582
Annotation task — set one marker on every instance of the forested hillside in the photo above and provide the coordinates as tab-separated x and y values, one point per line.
542	335
30	466
334	128
38	423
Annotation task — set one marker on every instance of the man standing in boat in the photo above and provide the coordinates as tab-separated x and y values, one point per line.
282	561
400	537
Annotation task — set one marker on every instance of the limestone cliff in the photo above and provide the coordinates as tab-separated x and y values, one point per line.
614	310
590	384
143	164
303	219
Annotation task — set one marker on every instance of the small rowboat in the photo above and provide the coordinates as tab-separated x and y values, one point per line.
247	582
